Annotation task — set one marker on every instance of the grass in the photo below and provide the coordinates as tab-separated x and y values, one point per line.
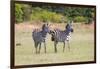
81	44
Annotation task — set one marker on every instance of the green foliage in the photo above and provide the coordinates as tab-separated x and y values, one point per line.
80	19
55	14
22	12
27	12
39	14
18	13
58	18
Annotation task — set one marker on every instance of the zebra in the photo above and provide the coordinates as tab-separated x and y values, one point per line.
39	37
61	36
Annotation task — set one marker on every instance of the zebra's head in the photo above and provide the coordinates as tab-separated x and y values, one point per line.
52	33
45	28
69	27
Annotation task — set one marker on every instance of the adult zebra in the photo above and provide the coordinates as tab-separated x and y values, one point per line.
61	36
39	37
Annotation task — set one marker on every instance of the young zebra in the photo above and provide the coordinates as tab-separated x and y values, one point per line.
61	36
39	37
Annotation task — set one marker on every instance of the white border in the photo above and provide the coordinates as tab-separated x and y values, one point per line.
5	34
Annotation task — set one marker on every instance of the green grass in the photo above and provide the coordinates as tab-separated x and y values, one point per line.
81	44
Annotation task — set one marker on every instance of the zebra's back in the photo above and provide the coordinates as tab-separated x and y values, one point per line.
37	36
59	36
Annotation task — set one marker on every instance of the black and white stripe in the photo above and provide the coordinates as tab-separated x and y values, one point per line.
61	36
39	37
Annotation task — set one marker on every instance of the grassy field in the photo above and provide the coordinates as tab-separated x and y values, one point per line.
81	44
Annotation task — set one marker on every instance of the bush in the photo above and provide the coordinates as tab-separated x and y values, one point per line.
18	13
27	12
80	19
43	15
22	12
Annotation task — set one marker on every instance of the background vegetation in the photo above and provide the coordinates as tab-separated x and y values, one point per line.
55	14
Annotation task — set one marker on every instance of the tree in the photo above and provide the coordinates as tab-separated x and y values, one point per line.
18	13
45	13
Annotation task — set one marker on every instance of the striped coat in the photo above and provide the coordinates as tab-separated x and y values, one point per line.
39	37
61	36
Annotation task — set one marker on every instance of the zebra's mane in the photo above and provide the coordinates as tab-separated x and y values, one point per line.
62	31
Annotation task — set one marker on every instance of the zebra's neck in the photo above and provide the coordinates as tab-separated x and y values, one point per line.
67	32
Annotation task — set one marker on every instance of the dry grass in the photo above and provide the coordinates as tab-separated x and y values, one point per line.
82	45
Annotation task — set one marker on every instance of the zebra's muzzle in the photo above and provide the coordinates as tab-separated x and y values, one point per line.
72	30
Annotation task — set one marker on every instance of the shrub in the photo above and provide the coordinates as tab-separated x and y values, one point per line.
18	13
80	19
46	16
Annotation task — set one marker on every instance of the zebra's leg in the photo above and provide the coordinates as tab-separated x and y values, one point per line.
68	45
64	46
36	45
39	47
44	46
55	45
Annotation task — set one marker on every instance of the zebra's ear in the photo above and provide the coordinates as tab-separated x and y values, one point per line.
43	26
48	24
